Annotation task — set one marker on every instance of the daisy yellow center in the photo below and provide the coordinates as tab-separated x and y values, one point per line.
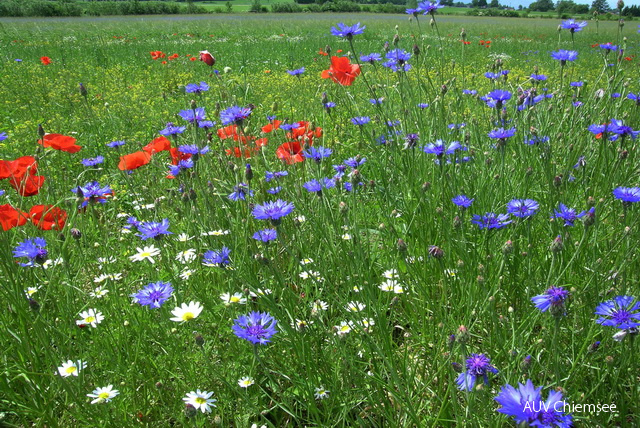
187	316
201	400
235	299
71	369
345	328
90	319
145	254
246	382
103	395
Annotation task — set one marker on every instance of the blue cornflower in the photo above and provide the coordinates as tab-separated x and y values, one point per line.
115	144
240	191
413	12
273	211
535	140
627	195
353	162
318	153
206	124
538	77
329	105
3	136
274	190
499	97
622	312
289	126
361	120
195	88
313	186
172	129
271	175
522	208
428	7
525	406
266	235
92	161
182	165
492	76
217	258
346	31
502	134
554	299
397	60
573	26
578	84
153	294
328	183
411	140
564	55
618	128
608	47
491	221
470	92
371	58
33	250
462	201
376	101
257	327
478	365
153	229
440	149
234	115
92	192
296	72
423	105
193	115
192	149
569	215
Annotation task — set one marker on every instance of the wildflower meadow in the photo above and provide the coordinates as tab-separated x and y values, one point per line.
247	221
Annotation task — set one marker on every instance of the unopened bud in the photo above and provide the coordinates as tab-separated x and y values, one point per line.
463	335
436	252
190	411
557	245
507	248
593	347
199	340
401	245
83	90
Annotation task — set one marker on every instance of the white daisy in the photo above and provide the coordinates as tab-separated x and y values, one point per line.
346	236
306	261
186	312
200	400
301	325
390	274
317	306
184	237
260	292
90	317
215	233
344	328
186	273
321	393
186	256
103	394
30	291
71	368
146	253
99	292
300	219
246	382
355	306
229	298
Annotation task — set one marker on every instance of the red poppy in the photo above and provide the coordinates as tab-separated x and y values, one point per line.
290	152
18	167
174	56
323	53
45	60
304	132
60	142
341	71
228	132
628	58
207	58
157	54
158	145
275	124
465	42
133	161
177	156
193	58
48	217
11	217
27	185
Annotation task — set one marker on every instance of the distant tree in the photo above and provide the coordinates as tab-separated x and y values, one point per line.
600	5
495	4
519	7
542	6
482	3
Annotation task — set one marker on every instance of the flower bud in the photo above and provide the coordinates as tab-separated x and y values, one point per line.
507	248
248	172
457	367
593	347
526	363
83	90
557	245
40	131
199	340
401	245
190	411
327	49
463	335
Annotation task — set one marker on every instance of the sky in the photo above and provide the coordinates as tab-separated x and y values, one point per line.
525	3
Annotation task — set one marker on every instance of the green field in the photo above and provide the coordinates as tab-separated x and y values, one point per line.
384	290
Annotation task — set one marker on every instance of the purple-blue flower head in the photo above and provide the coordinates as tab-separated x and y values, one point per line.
317	153
371	58
115	144
423	105
33	249
274	190
193	115
627	195
569	215
273	211
153	229
353	162
313	186
92	192
608	47
273	175
240	191
502	134
462	201
622	312
172	129
573	26
182	165
526	406
360	120
478	365
470	92
535	140
153	294
234	115
564	55
257	327
522	208
206	124
618	128
553	299
192	149
265	235
578	84
428	7
196	88
3	136
92	161
217	258
439	148
296	72
346	31
491	221
499	97
538	77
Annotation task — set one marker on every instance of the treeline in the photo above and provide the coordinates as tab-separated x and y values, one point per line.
21	8
337	6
